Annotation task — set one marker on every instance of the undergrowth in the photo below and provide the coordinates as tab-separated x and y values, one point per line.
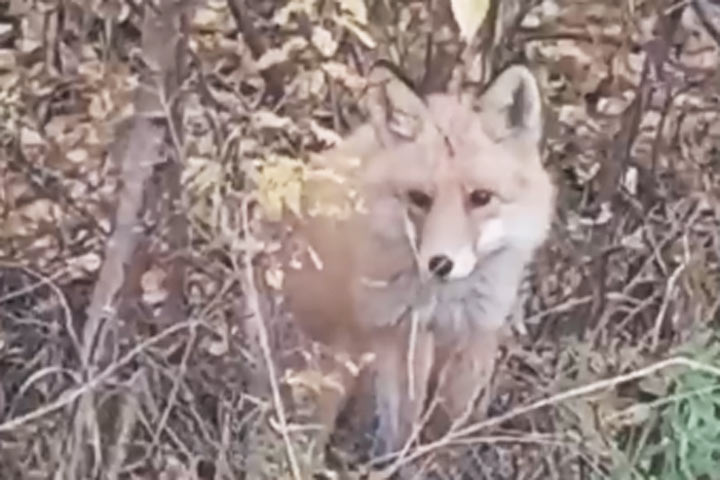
679	437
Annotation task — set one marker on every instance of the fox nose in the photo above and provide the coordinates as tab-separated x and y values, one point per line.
440	265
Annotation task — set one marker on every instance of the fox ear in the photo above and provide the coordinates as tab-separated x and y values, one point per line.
512	104
396	111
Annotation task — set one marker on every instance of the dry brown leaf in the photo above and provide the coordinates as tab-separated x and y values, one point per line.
84	264
77	155
152	284
30	138
325	135
274	56
268	119
26	219
324	41
342	73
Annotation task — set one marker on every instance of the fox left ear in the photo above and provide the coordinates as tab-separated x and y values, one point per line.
396	111
512	104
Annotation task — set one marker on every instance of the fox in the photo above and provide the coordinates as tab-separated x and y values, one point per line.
412	239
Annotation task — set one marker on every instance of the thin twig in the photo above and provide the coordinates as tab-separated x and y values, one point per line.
412	347
50	282
669	289
251	293
177	379
92	383
462	434
710	27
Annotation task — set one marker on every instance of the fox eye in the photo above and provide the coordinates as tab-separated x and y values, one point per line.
420	199
480	198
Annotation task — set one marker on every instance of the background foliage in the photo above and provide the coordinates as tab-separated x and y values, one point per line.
130	133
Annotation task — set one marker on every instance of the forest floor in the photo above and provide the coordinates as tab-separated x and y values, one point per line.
124	294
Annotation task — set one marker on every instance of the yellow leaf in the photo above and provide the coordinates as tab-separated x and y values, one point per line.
356	29
356	9
201	173
279	183
469	15
208	19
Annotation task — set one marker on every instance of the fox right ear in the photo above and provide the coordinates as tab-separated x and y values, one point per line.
512	104
396	111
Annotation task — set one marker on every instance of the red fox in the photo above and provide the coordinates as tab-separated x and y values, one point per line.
415	233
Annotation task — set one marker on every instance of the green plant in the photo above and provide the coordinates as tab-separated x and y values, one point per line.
680	436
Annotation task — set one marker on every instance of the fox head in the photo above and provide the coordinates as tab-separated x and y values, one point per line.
462	173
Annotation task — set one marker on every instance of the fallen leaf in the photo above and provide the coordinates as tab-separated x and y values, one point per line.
357	30
152	286
77	155
324	41
356	9
279	182
469	15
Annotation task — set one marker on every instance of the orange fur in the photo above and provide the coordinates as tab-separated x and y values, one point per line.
432	212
